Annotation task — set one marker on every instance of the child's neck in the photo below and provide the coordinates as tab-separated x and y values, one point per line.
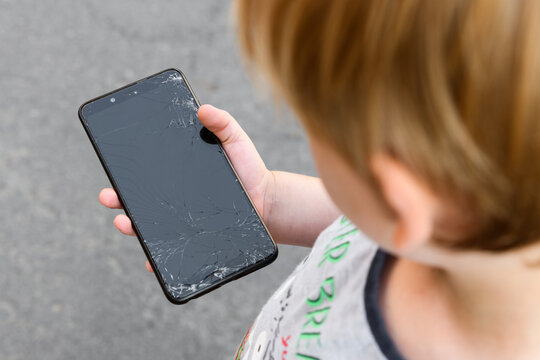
486	303
496	295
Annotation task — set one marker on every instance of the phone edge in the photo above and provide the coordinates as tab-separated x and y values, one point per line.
246	271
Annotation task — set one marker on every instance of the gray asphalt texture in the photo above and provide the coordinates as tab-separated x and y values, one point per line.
71	286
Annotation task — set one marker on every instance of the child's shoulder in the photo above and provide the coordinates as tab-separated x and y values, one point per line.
320	310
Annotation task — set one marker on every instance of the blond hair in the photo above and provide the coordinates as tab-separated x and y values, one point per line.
449	88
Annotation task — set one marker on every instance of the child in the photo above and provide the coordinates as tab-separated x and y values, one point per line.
423	119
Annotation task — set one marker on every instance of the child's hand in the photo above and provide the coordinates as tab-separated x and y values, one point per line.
240	150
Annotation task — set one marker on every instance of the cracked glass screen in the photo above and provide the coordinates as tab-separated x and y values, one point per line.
187	205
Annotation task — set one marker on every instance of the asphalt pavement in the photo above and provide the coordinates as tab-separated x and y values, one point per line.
71	286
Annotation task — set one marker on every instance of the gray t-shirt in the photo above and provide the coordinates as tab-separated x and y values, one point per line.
327	308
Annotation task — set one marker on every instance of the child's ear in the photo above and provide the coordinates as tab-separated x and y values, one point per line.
412	201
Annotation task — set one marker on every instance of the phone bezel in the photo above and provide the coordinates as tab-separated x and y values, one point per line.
245	271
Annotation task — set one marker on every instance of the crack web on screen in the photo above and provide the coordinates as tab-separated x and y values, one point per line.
197	223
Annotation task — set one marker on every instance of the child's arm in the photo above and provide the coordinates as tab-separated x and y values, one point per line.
294	207
298	208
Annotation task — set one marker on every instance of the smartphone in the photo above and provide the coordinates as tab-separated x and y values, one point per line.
190	211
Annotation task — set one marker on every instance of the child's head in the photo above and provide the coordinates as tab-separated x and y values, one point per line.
425	102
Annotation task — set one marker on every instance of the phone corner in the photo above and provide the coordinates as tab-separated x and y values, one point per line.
177	70
80	111
274	255
176	301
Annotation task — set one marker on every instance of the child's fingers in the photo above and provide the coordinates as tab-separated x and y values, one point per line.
123	224
148	267
221	123
108	198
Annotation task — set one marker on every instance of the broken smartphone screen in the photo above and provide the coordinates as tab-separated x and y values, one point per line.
191	214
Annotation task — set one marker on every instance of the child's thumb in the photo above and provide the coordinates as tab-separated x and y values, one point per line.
221	123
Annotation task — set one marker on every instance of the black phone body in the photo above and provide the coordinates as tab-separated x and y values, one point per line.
190	212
